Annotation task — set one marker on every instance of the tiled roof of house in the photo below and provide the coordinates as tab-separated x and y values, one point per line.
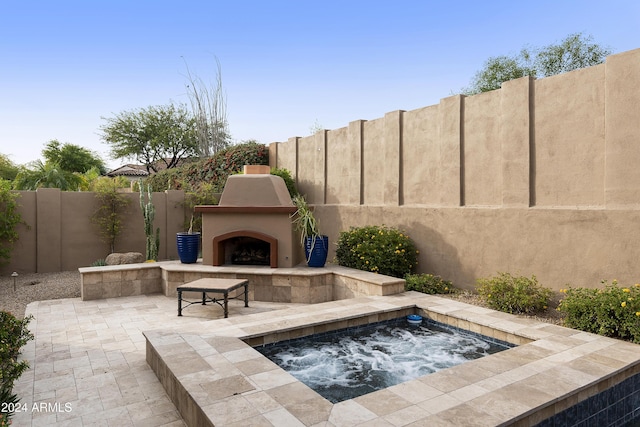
129	170
141	170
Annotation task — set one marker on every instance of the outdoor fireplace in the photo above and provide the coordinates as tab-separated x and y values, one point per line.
252	223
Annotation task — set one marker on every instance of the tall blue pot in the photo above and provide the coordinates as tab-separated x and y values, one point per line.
316	250
188	247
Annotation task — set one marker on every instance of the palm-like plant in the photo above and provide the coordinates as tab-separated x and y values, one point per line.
304	220
45	175
314	243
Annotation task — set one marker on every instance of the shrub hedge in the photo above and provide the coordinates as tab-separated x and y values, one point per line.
379	249
612	311
213	170
428	284
13	336
514	294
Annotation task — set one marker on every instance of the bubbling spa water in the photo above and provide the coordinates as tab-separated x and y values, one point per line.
352	362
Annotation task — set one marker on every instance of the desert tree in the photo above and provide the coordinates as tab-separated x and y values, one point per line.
154	135
209	109
10	218
66	167
574	52
8	170
72	158
499	69
111	208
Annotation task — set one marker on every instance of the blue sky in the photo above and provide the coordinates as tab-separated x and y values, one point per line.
285	64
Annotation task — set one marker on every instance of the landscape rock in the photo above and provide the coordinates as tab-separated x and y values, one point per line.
124	258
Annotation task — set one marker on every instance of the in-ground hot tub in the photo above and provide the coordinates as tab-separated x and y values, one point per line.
217	378
348	363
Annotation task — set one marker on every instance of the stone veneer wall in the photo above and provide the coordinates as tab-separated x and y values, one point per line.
290	285
119	281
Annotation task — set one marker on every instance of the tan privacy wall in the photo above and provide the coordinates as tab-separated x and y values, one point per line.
59	234
540	177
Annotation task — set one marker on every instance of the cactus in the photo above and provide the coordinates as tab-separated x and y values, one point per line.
148	213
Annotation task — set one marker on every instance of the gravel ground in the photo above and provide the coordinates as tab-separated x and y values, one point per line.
45	286
550	315
37	287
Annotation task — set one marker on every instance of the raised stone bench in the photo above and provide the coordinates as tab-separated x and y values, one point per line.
351	283
123	280
289	285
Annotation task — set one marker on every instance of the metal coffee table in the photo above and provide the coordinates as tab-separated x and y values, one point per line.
220	286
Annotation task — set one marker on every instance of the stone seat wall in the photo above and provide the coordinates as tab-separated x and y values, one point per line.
288	285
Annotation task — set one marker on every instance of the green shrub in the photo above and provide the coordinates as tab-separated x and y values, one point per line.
13	336
110	211
216	169
202	194
213	170
378	249
9	220
612	311
167	179
288	180
510	294
428	284
8	400
99	263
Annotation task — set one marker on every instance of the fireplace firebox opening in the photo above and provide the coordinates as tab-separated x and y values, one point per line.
245	247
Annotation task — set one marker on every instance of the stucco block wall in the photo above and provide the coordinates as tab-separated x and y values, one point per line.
60	236
23	256
570	139
539	177
374	162
423	153
482	150
622	129
287	155
339	159
558	246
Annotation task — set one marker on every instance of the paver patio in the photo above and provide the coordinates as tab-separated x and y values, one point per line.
88	366
88	360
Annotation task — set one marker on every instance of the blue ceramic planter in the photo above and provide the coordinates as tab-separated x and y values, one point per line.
188	247
316	250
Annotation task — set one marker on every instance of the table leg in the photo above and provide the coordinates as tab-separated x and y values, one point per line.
226	300
204	294
246	295
179	303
